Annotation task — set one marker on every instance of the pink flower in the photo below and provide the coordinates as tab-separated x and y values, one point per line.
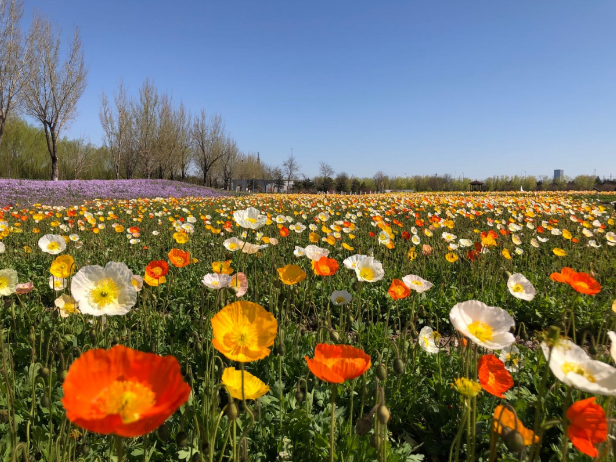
24	288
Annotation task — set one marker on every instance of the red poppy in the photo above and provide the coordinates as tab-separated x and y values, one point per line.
123	391
398	290
587	426
493	376
284	232
540	229
326	266
419	222
581	282
371	234
406	235
157	269
337	363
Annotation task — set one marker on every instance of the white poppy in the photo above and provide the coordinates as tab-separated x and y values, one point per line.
315	253
340	297
2	247
299	251
52	244
250	218
416	283
107	290
351	262
370	270
57	284
67	305
510	356
613	346
465	242
487	326
449	237
8	281
233	244
516	239
298	227
252	248
216	281
415	239
572	366
427	340
137	282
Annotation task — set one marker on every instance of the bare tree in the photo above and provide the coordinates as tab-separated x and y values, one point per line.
207	140
52	88
184	155
81	156
145	117
326	170
13	58
380	181
116	126
228	162
291	168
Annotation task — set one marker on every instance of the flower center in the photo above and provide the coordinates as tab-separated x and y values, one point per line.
576	368
104	293
366	273
53	246
128	399
4	282
232	246
338	299
480	330
251	220
517	288
417	283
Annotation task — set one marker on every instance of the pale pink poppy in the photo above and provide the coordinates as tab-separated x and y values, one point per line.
239	284
24	288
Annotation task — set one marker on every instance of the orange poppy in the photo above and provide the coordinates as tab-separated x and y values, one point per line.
587	426
398	290
284	232
179	258
123	391
337	363
493	376
157	269
326	266
291	274
581	282
504	418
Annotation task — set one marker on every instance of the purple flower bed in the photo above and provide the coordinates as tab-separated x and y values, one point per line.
75	192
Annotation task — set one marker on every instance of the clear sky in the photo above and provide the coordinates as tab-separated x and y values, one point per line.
483	87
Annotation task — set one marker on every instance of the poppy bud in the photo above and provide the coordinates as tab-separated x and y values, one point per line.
513	440
232	411
85	449
399	366
592	349
32	337
299	396
181	439
280	348
63	375
351	319
92	333
383	414
116	340
375	441
4	416
45	402
163	432
381	372
364	425
334	336
553	335
423	312
44	372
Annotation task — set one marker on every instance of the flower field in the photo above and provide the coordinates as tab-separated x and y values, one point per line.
400	327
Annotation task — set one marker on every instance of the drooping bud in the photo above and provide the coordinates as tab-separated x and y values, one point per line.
232	411
181	439
364	425
399	366
513	440
299	396
375	441
381	372
383	414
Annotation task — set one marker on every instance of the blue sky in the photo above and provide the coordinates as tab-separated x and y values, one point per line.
482	87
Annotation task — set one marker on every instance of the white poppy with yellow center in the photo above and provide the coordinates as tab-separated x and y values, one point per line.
352	261
315	252
416	283
57	284
510	356
427	339
216	281
487	326
52	244
250	218
520	287
340	297
8	282
370	270
67	305
572	366
233	244
107	290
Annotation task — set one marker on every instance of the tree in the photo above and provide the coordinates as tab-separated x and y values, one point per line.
207	139
117	128
13	58
53	88
355	185
145	120
342	182
326	170
278	178
291	168
380	181
182	123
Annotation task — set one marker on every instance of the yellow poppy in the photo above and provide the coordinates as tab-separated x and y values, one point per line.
63	266
506	254
253	387
566	234
451	257
153	281
559	252
291	274
347	246
243	331
180	238
222	267
314	237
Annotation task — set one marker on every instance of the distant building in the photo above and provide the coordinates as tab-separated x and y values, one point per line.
559	175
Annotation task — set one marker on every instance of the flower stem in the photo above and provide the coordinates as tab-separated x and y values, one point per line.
119	447
332	424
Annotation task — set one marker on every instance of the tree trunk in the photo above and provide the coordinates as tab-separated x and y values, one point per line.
2	124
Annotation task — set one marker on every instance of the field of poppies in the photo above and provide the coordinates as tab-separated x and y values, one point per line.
401	327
